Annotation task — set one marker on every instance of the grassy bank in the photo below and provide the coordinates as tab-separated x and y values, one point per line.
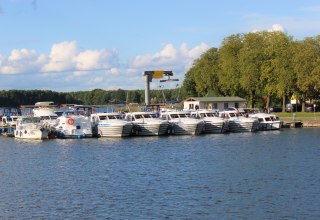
300	116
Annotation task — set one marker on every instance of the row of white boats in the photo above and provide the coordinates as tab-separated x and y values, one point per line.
81	122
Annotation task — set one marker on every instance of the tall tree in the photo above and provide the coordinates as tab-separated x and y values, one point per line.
251	58
229	78
277	77
306	65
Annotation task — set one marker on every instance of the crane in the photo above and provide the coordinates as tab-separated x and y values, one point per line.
155	74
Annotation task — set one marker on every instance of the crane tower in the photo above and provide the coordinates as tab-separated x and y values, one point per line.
155	74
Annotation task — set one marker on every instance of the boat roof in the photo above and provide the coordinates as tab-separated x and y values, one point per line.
45	104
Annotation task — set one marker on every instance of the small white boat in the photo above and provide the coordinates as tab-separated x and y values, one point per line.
147	123
8	120
267	121
8	125
238	122
46	112
182	122
30	128
110	125
213	123
73	126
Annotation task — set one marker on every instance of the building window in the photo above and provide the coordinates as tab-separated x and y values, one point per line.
236	105
215	105
226	105
191	106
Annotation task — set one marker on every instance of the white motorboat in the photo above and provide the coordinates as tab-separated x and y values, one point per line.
70	125
30	128
110	125
238	122
147	123
182	122
8	124
8	120
213	123
46	112
267	121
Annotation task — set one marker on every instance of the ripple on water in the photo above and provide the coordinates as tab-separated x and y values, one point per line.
264	175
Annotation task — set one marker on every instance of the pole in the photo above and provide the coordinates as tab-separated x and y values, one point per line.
147	89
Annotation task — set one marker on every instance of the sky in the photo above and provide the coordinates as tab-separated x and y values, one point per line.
80	45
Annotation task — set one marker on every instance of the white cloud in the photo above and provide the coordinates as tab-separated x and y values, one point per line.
274	28
277	27
114	71
96	80
21	61
80	73
66	56
68	67
168	56
61	57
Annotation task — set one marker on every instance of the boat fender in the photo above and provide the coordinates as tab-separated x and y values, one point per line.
70	121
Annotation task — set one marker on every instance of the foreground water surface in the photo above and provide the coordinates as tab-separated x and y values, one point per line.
264	175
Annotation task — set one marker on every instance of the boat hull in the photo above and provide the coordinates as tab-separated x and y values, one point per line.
238	126
114	130
215	127
36	134
146	129
187	128
270	126
74	133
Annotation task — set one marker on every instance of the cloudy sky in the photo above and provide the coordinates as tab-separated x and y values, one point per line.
73	45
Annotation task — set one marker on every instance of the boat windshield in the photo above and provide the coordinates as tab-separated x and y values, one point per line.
113	117
30	120
268	119
149	116
138	116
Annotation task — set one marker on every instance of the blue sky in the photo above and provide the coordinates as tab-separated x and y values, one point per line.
72	45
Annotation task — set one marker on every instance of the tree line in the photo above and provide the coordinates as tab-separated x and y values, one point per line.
15	98
266	68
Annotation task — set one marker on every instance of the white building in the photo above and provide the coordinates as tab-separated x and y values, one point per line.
219	103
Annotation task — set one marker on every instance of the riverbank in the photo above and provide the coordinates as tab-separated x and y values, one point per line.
306	121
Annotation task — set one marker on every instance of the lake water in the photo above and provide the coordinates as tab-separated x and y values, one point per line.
264	175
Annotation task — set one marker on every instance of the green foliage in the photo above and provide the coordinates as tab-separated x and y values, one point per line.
261	66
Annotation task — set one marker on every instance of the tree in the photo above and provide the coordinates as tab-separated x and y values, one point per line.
229	78
306	65
251	58
277	77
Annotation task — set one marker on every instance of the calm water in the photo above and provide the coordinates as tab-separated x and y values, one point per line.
265	175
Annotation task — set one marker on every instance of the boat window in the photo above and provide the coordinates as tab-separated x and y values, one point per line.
260	119
268	119
102	117
53	117
174	116
138	116
232	115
